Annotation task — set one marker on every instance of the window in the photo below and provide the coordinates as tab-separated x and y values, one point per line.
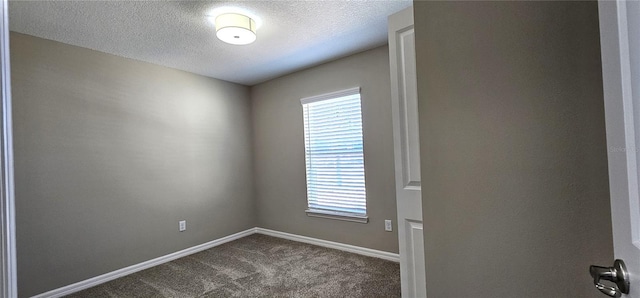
334	156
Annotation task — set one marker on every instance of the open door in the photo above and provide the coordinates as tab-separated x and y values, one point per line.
620	44
406	139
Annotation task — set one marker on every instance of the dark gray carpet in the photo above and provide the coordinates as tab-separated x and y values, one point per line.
260	266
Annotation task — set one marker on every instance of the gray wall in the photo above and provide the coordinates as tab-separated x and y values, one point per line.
281	195
110	153
514	160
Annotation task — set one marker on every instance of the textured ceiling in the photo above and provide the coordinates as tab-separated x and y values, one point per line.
293	35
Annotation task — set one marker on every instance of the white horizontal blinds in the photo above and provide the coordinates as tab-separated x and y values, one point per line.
334	155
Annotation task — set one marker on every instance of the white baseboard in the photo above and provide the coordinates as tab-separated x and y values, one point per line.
92	282
335	245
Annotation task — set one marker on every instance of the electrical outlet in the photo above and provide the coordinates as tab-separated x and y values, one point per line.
182	225
387	225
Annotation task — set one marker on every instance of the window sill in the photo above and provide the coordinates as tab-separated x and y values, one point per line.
338	215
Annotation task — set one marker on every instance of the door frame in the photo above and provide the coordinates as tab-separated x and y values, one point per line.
8	277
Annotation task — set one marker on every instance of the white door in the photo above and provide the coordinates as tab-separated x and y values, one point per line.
404	98
620	44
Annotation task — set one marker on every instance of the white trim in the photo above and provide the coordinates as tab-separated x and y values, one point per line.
92	282
338	215
8	285
335	245
336	94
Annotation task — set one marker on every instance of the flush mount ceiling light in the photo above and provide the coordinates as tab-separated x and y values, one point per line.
235	28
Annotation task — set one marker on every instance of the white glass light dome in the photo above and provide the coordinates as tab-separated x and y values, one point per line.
235	29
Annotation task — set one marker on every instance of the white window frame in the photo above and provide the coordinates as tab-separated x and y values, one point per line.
327	213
